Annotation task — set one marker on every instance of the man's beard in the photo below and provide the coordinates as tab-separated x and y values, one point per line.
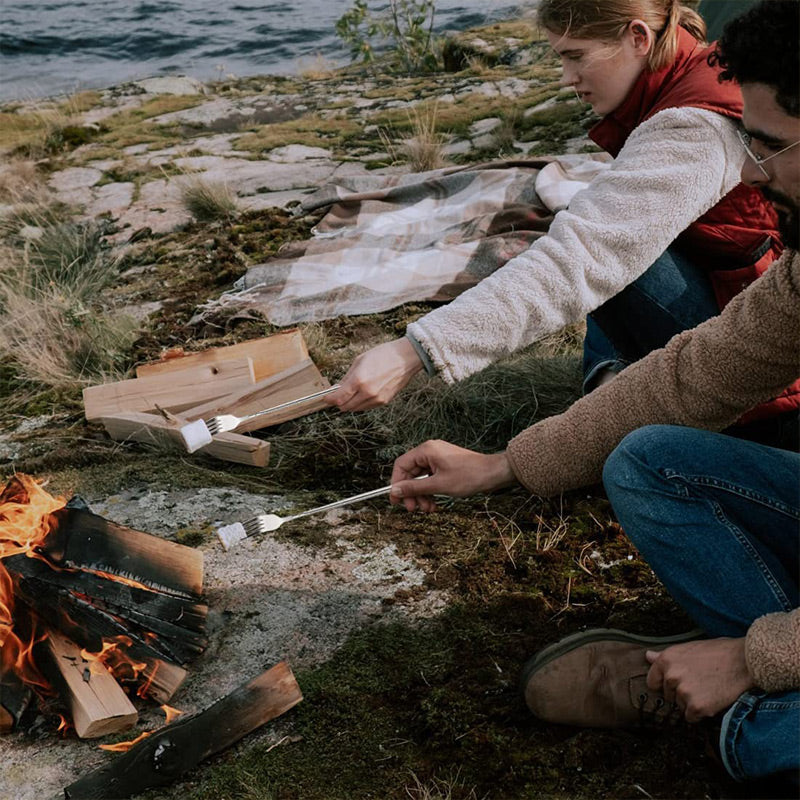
788	217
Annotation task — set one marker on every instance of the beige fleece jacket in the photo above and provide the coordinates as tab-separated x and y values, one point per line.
673	168
704	378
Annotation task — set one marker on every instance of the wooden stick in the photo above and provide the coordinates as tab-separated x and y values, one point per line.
270	355
173	391
296	381
168	753
154	429
98	704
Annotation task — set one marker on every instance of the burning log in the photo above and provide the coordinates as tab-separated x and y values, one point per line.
14	698
130	600
167	754
98	704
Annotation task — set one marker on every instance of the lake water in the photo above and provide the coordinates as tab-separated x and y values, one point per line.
52	47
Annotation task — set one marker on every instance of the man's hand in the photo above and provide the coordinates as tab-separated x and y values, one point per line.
453	471
376	376
703	677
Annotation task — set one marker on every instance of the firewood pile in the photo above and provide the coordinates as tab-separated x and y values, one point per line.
240	379
91	613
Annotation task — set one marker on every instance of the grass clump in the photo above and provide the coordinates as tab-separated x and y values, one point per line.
51	328
481	413
208	201
423	149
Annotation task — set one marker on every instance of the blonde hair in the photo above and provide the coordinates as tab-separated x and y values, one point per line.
607	20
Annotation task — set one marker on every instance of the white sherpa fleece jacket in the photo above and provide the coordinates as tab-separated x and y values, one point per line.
673	168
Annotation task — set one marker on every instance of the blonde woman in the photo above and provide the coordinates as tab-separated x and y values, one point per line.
653	246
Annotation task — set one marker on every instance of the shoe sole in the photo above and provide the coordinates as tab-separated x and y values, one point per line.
575	640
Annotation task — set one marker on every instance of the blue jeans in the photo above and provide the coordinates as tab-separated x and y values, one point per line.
674	295
718	520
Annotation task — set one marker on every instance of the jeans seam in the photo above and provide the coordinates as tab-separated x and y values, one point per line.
780	595
728	732
681	482
703	480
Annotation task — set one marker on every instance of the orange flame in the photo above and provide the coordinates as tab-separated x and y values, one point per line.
172	713
24	518
123	747
25	509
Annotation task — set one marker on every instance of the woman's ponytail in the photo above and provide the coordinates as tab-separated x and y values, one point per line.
678	16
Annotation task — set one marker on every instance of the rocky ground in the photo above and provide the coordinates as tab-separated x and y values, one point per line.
406	632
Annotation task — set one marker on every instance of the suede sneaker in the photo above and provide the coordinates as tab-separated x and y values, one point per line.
598	679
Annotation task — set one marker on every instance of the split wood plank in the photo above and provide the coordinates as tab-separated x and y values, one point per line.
98	704
296	381
83	540
270	355
154	429
173	391
176	748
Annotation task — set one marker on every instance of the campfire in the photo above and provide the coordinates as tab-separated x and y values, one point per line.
92	614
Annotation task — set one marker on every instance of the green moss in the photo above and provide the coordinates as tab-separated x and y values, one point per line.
311	130
439	700
194	537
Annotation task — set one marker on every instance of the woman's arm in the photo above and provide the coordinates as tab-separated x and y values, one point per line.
672	169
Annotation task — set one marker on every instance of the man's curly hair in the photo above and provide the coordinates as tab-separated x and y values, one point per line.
761	46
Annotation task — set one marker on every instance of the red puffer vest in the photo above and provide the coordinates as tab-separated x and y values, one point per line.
735	240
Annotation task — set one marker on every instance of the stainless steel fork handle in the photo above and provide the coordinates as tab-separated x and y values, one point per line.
348	500
289	404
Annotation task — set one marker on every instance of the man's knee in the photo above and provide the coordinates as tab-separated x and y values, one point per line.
631	463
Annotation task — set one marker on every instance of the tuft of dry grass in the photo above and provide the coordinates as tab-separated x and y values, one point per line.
423	149
440	789
550	532
208	201
56	341
319	68
20	181
51	328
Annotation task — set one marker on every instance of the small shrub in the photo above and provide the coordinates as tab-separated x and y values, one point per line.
207	201
405	27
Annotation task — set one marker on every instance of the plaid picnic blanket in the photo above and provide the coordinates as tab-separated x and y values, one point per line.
388	240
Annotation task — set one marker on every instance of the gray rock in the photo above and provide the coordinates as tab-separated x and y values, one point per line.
295	153
171	84
482	126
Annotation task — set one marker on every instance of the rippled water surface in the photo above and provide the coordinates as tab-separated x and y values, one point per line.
51	47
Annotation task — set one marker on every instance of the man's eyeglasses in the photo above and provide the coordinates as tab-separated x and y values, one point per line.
746	139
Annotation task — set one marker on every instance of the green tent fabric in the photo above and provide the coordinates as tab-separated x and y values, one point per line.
717	13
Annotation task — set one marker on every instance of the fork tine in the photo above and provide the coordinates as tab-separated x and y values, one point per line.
213	425
253	526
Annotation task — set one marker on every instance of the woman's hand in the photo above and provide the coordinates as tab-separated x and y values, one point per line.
453	471
703	677
376	376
